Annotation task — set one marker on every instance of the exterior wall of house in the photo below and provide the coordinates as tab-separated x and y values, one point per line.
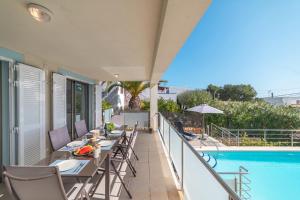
49	69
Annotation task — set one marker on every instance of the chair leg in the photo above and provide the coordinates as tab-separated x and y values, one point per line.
97	184
136	157
122	182
87	197
116	152
129	163
131	167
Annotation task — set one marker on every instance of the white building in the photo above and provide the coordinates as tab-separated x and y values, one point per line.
280	101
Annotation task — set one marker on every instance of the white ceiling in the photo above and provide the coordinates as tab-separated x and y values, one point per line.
99	38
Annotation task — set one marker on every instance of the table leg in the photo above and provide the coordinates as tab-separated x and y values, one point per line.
107	177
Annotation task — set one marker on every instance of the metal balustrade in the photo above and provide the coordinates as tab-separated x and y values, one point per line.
196	177
255	137
241	182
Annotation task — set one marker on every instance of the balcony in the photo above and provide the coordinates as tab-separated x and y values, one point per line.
168	168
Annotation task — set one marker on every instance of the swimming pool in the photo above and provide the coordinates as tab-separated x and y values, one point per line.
273	175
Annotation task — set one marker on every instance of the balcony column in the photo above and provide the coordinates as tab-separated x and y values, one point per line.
153	106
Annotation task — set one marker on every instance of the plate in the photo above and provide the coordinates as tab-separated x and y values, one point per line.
66	165
105	143
75	144
116	132
95	132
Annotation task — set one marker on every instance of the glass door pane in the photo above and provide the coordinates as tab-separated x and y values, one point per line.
70	107
81	103
77	104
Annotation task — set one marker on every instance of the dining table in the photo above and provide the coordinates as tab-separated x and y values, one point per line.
91	166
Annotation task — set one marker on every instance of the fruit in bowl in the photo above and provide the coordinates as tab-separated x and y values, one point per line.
83	151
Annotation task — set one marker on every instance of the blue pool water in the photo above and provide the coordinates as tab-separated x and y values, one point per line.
274	175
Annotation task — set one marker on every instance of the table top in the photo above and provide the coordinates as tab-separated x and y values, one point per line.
94	163
88	171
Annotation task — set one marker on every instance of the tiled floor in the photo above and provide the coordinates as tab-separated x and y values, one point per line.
154	180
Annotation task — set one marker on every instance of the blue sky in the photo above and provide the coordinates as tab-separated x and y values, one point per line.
253	42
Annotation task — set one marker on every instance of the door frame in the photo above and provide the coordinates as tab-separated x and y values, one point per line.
7	156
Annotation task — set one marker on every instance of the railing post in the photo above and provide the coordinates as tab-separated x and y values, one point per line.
235	184
169	141
238	135
265	137
240	184
163	130
207	127
292	138
181	164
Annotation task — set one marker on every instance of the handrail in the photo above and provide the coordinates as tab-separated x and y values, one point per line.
231	193
275	130
225	134
216	162
242	185
237	173
209	158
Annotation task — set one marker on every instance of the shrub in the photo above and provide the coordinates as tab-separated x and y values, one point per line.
145	105
167	105
110	126
106	105
254	114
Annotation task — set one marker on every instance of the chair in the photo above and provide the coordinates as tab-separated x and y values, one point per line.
81	128
121	151
121	159
39	182
59	138
186	135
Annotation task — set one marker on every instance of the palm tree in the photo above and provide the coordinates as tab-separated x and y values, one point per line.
134	88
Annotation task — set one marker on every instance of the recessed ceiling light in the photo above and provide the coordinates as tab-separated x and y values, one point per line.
116	75
39	13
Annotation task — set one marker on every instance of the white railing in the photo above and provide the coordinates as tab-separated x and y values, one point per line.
223	135
267	137
255	137
196	177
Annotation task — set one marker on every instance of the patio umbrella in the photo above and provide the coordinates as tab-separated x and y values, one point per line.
205	109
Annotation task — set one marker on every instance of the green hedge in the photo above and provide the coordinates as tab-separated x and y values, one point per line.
254	114
247	114
167	105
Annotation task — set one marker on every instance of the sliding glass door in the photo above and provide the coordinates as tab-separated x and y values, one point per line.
1	132
77	104
4	115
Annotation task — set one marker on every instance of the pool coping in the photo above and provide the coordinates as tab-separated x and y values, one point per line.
246	148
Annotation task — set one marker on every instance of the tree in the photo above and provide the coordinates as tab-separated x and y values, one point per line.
193	98
134	88
213	90
237	93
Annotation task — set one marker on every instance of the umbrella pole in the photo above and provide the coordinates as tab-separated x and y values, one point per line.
203	126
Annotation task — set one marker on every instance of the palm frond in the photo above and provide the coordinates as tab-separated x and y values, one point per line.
113	85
